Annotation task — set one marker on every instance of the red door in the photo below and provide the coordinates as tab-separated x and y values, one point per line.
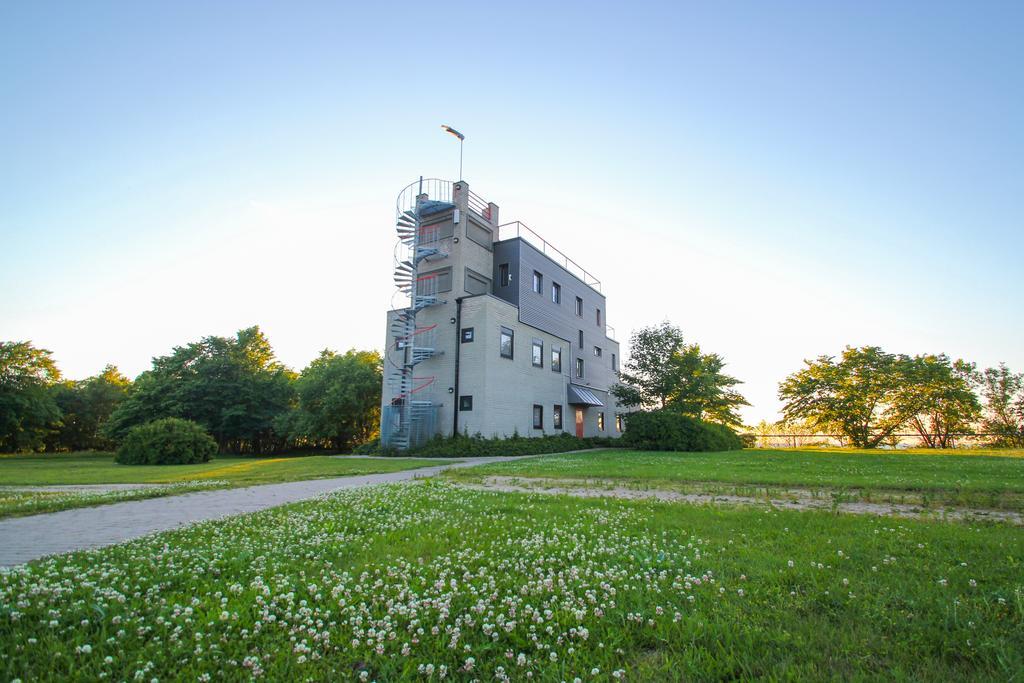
579	422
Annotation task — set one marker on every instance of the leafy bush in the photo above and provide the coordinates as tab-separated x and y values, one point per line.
465	446
479	446
662	430
170	441
371	447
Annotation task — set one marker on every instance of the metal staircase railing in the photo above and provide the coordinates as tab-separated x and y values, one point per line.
411	417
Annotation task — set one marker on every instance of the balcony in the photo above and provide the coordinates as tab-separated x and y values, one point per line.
440	191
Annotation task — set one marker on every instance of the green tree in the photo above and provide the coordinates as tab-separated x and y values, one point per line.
233	387
28	411
938	395
339	399
1003	393
856	396
85	406
666	373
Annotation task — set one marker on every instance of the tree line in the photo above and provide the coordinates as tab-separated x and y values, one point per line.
234	387
868	395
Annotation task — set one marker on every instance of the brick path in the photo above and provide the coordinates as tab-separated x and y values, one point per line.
29	538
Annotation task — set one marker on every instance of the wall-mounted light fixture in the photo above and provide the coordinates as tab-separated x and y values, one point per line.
451	390
451	320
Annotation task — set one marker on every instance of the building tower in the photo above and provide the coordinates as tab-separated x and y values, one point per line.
497	334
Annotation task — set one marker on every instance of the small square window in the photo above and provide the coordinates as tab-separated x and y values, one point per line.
600	421
556	293
556	358
538	282
556	416
507	342
579	307
538	417
465	403
538	353
579	368
597	351
467	334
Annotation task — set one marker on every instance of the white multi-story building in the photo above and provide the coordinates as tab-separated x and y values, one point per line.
502	333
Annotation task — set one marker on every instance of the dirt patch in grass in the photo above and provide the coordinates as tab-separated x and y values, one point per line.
787	499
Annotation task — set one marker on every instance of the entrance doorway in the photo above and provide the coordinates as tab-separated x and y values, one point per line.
579	422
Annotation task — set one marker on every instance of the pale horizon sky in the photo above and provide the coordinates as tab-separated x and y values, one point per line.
778	180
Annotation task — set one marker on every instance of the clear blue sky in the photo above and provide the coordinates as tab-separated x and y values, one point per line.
779	179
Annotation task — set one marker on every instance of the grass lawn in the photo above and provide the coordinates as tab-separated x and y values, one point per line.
987	478
424	581
221	472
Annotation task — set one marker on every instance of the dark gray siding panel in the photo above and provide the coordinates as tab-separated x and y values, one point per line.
560	319
507	251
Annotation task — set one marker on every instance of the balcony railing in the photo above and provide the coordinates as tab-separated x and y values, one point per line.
436	189
520	229
478	206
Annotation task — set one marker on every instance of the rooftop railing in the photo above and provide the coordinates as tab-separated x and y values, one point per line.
435	189
478	206
520	229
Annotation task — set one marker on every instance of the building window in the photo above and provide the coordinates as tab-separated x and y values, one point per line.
538	417
556	416
467	334
579	307
597	351
600	421
556	293
507	341
581	339
579	368
538	353
481	236
556	358
615	363
503	276
618	422
598	316
465	403
434	282
538	282
475	283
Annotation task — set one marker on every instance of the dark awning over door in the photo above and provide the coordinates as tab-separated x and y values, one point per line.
581	396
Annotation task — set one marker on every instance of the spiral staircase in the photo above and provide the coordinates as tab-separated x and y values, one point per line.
410	418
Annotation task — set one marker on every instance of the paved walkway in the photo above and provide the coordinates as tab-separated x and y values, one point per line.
29	538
